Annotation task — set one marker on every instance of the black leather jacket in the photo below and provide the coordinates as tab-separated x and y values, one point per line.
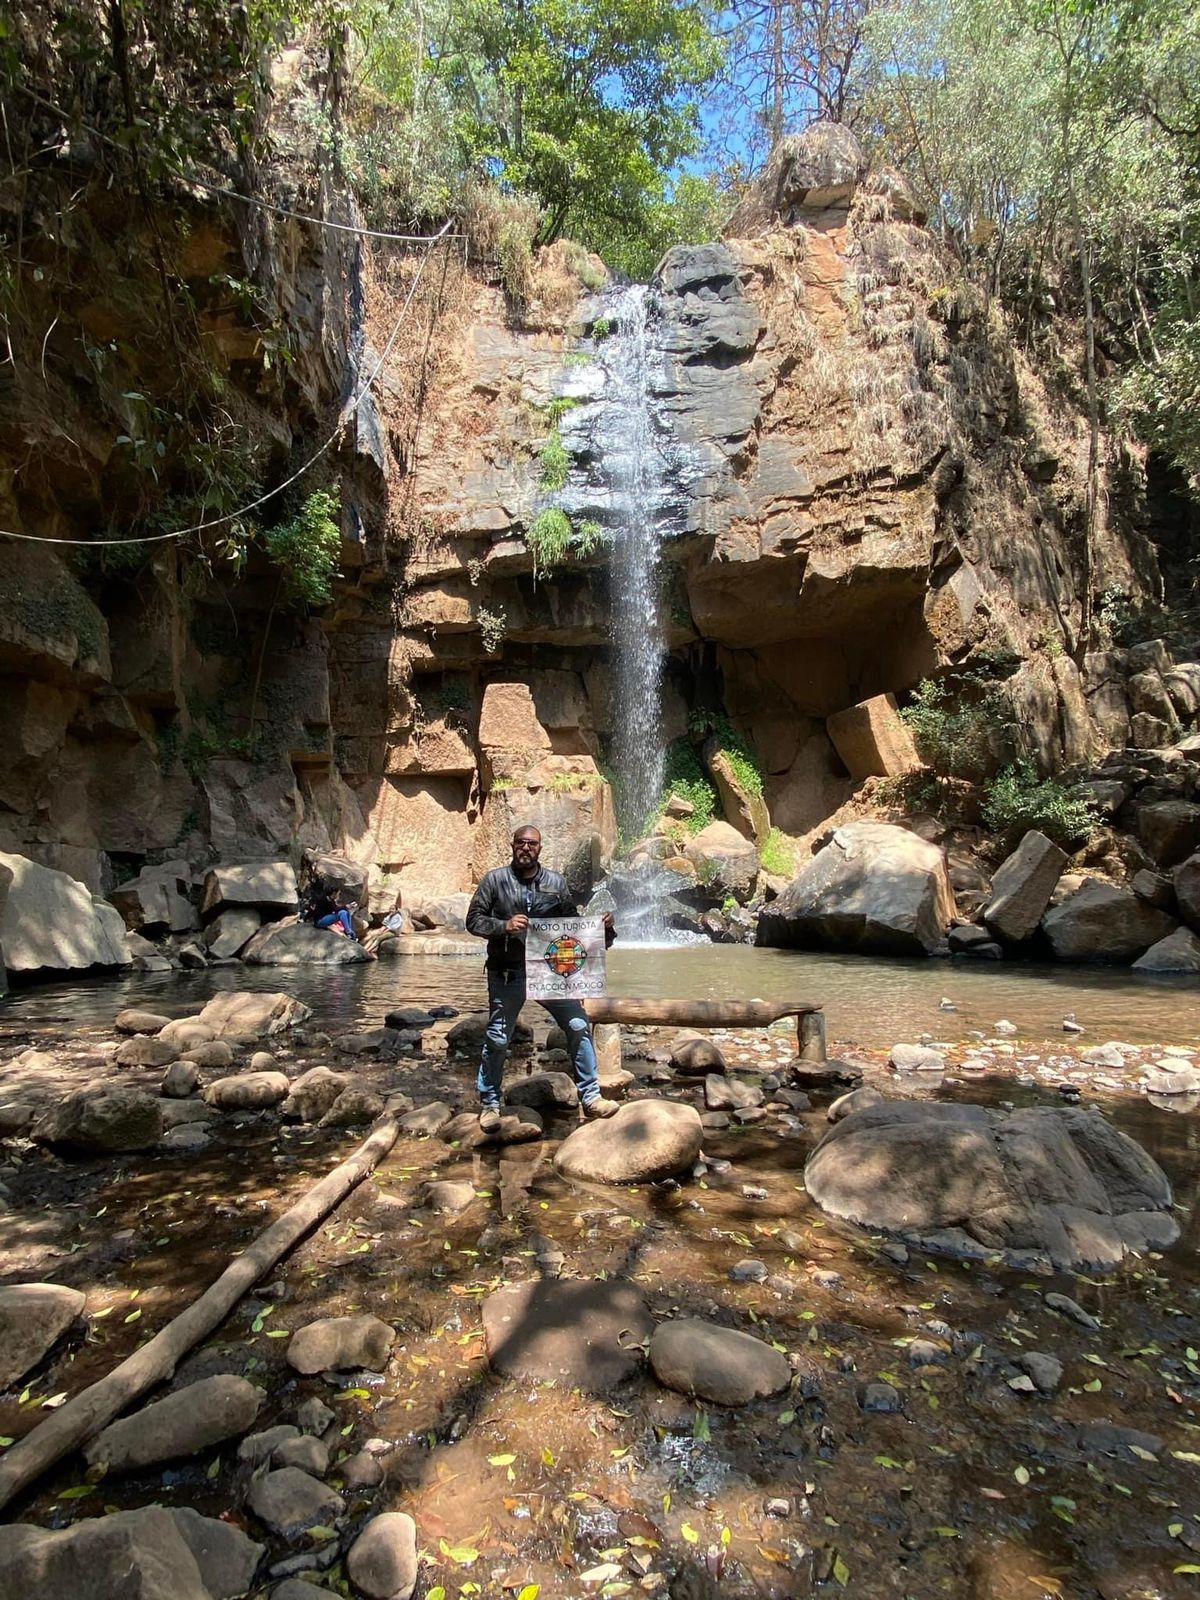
501	895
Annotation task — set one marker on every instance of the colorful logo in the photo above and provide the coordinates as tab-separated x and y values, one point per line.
565	956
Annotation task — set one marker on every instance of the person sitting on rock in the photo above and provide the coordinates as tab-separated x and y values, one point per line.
499	912
341	918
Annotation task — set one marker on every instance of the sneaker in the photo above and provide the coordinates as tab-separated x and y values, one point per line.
600	1107
489	1119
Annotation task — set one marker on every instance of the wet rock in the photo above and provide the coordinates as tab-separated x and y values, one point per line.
181	1113
145	1050
645	1141
185	1033
729	1094
382	1561
289	1502
314	1416
924	1353
1105	1055
410	1018
362	1471
714	1121
874	887
182	1424
465	1038
449	1198
1184	1080
1178	952
352	1108
313	1093
230	931
748	1271
149	1554
794	1099
215	1054
579	1334
263	1061
33	1317
247	1014
427	1120
102	1121
1022	888
1004	1029
247	1091
181	1079
916	1058
831	1074
257	1448
518	1125
1060	1181
187	1139
855	1100
1111	1439
880	1397
134	1020
1071	1309
718	1364
1102	922
319	1559
696	1056
967	939
308	1453
544	1091
337	1344
748	1114
1046	1371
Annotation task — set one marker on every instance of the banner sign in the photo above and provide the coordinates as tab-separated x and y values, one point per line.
564	958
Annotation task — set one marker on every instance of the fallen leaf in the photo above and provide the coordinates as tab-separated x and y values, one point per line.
462	1554
134	1315
601	1574
1021	1474
689	1533
779	1557
501	1461
841	1571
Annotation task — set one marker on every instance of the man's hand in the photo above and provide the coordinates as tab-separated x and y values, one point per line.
517	924
608	921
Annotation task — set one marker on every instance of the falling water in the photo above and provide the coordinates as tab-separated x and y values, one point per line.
634	468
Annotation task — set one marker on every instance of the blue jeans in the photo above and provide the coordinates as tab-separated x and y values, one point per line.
343	919
506	996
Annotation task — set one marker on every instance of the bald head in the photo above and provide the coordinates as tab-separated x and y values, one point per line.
526	848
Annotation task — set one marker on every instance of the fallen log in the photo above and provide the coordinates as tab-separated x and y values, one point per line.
96	1406
650	1012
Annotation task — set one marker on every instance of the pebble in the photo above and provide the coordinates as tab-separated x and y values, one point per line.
362	1471
748	1271
289	1501
1046	1371
314	1416
1004	1028
1067	1307
881	1397
753	1191
307	1452
259	1447
924	1353
777	1507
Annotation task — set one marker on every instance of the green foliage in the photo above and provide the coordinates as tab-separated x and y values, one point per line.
778	854
555	462
1017	799
554	539
952	721
683	775
693	210
739	755
306	549
601	328
493	626
555	410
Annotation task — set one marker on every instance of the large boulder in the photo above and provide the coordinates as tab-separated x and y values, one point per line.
726	862
808	171
156	901
102	1121
1170	830
742	802
874	887
581	1334
299	944
335	873
1178	952
229	931
1062	1182
33	1317
50	922
1103	922
314	1093
149	1554
268	886
1022	888
645	1141
873	740
717	1364
245	1014
190	1420
1187	890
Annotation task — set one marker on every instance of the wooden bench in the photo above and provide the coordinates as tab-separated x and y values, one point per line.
810	1019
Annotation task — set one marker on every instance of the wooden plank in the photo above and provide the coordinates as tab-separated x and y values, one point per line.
695	1013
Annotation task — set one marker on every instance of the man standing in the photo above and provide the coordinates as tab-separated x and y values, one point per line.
499	912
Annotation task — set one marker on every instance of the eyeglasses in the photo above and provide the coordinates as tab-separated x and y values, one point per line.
527	844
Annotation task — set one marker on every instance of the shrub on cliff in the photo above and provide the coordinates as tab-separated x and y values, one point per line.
1017	799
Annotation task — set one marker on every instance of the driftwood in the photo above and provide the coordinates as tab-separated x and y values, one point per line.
810	1019
95	1407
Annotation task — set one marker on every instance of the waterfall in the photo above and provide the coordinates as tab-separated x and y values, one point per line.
634	467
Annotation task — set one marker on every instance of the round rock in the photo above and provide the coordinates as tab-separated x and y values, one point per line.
382	1561
518	1125
146	1050
644	1141
579	1334
307	1452
544	1091
134	1020
33	1317
289	1501
696	1056
247	1091
718	1364
186	1422
339	1344
181	1079
449	1197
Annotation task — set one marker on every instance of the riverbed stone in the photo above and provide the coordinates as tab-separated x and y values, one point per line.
1186	881
184	1033
145	1050
183	1424
1114	1439
1178	952
645	1141
230	930
256	1448
247	1091
695	1056
314	1093
181	1113
215	1055
185	1139
102	1121
149	1554
465	1038
290	1501
880	1397
518	1125
448	1198
354	1107
340	1344
426	1121
546	1092
723	1365
245	1014
307	1452
33	1317
1022	888
181	1079
1045	1370
1104	923
382	1561
730	1094
1063	1182
575	1333
314	1416
362	1471
874	887
134	1020
916	1058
